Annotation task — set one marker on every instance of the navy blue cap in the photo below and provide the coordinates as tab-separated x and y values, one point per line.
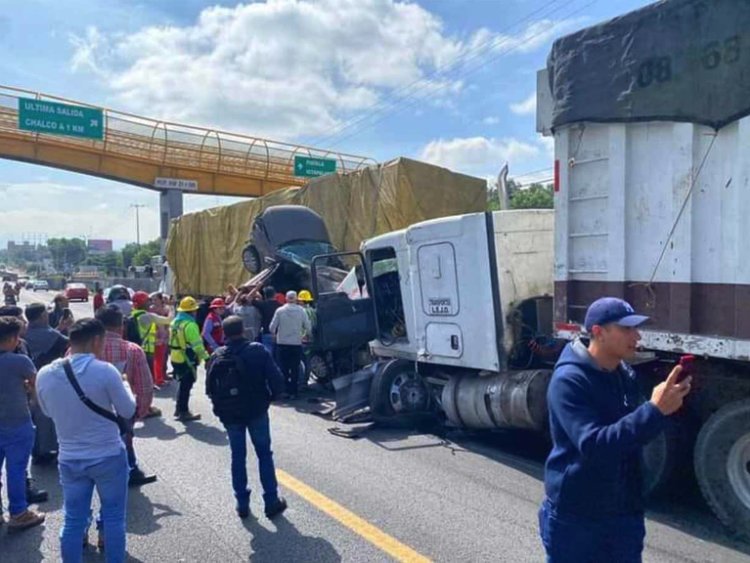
608	310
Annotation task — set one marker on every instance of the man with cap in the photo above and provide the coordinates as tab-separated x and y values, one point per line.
148	324
289	325
213	333
594	505
186	353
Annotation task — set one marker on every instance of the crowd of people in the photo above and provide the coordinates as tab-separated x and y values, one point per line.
72	391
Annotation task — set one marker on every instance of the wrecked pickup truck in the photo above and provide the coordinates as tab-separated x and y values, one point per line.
284	239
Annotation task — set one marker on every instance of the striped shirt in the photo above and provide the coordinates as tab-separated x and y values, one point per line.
130	359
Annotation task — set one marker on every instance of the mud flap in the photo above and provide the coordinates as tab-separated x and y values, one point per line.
353	390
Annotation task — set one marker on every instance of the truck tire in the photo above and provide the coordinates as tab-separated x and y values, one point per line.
660	459
398	395
722	465
251	259
321	371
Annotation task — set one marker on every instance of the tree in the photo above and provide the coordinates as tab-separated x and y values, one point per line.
67	252
143	256
128	253
536	196
493	195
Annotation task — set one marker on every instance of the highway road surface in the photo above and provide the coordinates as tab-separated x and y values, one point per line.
388	495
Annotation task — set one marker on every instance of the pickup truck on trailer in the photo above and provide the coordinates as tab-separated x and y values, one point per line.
466	315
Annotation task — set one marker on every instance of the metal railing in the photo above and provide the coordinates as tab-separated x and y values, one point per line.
174	144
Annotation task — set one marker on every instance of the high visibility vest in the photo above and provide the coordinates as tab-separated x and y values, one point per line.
148	333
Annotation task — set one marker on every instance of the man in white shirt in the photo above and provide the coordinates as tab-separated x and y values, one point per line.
289	325
91	451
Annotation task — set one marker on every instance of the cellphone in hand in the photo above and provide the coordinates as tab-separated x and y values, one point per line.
686	362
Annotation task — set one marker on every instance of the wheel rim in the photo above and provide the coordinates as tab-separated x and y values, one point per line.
408	393
738	469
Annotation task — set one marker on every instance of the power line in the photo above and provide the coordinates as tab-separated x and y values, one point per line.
466	73
525	174
438	73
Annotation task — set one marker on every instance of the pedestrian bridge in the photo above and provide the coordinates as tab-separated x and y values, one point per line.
137	150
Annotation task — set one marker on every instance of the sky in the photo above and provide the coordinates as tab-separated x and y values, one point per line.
450	82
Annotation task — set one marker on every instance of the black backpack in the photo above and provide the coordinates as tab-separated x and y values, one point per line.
132	332
224	384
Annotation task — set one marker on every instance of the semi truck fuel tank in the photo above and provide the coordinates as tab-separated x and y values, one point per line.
514	399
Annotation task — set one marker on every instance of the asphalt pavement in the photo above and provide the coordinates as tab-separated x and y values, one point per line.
380	496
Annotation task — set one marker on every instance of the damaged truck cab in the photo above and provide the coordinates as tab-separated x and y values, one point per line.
457	304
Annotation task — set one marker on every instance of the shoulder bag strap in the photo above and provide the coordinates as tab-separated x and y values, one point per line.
109	415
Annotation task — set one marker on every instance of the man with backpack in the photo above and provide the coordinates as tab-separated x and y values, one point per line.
186	353
241	381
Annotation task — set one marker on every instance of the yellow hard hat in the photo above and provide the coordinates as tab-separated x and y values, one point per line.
188	305
304	295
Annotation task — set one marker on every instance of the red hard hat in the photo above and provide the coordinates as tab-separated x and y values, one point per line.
218	303
140	298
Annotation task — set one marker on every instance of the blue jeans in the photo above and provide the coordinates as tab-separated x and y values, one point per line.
15	450
570	539
78	479
260	434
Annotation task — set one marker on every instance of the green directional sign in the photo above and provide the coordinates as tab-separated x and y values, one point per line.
311	167
41	116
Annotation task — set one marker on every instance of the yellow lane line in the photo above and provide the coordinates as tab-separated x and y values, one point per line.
375	536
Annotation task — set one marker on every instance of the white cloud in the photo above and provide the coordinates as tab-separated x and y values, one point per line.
491	120
480	156
526	107
284	68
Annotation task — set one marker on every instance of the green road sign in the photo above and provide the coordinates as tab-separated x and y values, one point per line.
41	116
311	167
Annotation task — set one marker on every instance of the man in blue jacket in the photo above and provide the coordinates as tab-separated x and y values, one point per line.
241	380
594	506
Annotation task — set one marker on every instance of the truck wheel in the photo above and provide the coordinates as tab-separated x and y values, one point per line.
320	370
398	391
722	465
660	458
251	259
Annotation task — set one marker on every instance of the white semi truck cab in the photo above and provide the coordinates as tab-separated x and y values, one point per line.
457	310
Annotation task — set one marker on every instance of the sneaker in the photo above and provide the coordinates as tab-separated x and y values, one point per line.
25	520
34	495
138	478
243	512
188	417
276	508
153	412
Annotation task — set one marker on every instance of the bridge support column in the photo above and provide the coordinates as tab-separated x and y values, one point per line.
170	207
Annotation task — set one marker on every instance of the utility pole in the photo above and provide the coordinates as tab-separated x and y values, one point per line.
137	207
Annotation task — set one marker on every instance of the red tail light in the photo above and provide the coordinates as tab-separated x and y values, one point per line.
557	175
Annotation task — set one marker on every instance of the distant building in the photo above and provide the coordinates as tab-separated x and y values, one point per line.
99	246
26	251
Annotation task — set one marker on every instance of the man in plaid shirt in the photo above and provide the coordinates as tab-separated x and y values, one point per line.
129	359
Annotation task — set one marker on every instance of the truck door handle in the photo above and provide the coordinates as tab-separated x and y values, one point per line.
454	341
